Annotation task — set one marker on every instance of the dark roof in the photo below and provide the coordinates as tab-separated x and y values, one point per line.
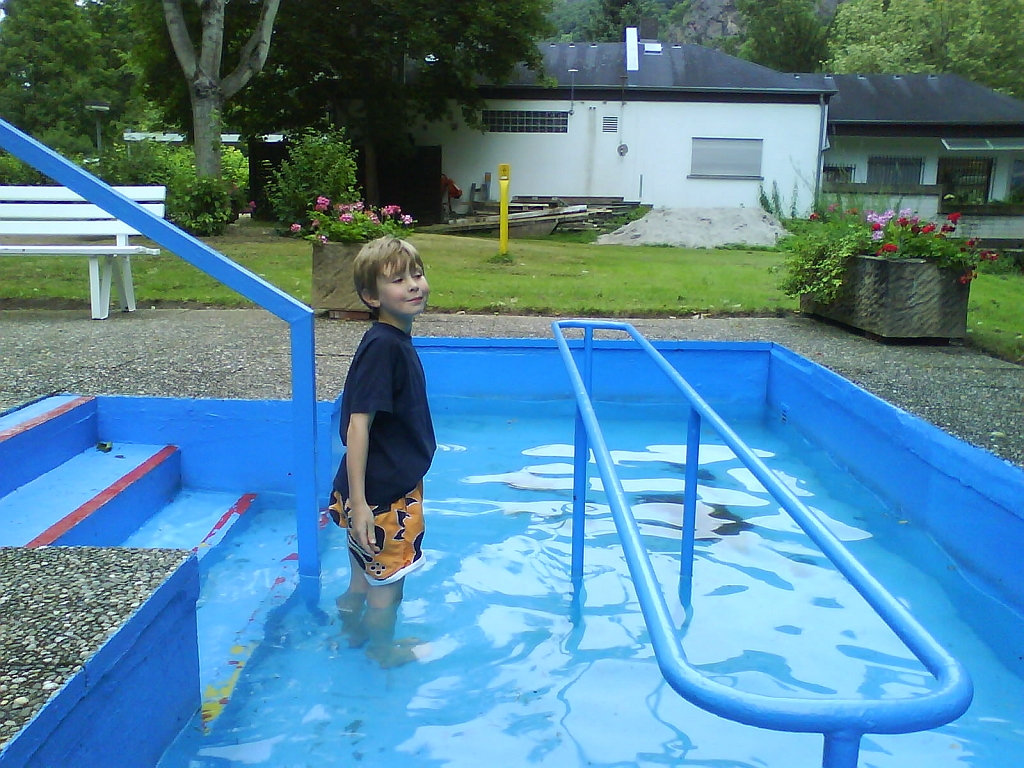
920	99
677	70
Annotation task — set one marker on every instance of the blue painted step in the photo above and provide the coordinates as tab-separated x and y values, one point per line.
43	435
96	498
196	520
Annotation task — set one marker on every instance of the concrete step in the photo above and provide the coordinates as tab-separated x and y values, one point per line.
43	435
98	497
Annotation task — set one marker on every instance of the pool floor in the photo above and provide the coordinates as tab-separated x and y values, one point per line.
511	675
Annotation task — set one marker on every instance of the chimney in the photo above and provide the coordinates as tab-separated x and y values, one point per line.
632	49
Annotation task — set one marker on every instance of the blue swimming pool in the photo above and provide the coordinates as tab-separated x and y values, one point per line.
509	675
510	670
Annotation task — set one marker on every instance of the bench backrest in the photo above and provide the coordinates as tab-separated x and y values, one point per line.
57	211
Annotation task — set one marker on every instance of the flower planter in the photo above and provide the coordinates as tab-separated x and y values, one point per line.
333	290
898	299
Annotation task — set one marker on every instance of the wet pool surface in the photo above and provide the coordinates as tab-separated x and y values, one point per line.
510	675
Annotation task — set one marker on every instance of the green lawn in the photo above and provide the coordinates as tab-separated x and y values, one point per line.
540	277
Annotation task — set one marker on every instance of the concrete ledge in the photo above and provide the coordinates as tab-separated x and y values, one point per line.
87	637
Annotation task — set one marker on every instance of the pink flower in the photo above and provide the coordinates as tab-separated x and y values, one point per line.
407	219
295	227
322	239
345	218
322	204
358	206
373	217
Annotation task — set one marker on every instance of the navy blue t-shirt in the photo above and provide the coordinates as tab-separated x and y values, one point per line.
386	377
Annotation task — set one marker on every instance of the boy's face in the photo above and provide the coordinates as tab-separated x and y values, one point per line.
401	296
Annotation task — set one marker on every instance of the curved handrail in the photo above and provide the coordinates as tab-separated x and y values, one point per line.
298	316
841	721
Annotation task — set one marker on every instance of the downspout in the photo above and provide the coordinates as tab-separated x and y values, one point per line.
822	135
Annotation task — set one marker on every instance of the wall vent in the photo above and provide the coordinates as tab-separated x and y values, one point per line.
610	124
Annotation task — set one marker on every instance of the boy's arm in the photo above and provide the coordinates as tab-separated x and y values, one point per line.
357	439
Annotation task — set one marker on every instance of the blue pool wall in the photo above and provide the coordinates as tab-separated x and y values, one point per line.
969	501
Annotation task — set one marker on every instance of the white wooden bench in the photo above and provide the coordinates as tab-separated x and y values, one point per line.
58	222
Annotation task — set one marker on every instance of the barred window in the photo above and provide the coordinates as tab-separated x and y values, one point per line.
839	174
895	173
726	158
965	180
525	121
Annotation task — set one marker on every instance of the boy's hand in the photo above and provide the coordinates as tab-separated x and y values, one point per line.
362	527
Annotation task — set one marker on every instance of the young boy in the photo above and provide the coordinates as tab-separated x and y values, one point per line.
386	427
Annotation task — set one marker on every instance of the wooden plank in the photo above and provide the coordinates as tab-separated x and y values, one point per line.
66	228
78	250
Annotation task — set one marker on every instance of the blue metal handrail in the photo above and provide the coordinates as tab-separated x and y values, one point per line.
259	291
842	722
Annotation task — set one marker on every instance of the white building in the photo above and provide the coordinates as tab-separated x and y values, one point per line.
665	125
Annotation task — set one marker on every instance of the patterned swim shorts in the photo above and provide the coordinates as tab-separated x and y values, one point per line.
398	531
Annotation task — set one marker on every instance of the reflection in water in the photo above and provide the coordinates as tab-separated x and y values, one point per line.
509	679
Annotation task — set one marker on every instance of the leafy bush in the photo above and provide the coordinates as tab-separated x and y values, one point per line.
14	172
202	206
317	164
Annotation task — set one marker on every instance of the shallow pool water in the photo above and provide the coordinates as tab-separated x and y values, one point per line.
511	674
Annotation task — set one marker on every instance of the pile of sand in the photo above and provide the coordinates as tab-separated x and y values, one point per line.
698	228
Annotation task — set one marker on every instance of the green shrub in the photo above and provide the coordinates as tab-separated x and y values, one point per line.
235	170
201	206
14	172
317	164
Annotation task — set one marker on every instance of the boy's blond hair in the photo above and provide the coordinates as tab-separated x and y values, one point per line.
384	256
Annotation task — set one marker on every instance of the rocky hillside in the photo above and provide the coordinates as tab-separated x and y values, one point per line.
706	21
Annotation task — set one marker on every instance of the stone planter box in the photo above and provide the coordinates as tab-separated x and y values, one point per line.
333	290
898	299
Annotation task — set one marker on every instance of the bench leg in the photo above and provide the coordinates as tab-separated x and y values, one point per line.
125	289
99	286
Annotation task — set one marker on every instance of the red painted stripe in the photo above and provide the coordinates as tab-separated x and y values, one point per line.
240	507
72	519
42	418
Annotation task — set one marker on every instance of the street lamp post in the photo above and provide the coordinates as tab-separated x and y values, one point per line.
97	108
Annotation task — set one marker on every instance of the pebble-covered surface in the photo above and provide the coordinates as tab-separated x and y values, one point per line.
58	605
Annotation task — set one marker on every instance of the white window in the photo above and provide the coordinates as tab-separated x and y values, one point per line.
726	158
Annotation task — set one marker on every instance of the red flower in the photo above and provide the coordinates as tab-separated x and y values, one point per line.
971	243
927	228
887	248
917	230
814	217
876	226
903	221
948	228
954	217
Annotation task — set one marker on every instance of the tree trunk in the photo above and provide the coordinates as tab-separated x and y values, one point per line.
207	104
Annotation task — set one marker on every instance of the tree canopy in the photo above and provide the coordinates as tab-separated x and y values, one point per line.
982	40
786	35
377	68
46	80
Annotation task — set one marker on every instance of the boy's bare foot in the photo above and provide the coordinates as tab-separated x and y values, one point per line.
401	652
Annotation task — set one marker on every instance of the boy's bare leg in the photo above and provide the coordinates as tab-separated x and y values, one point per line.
381	615
352	603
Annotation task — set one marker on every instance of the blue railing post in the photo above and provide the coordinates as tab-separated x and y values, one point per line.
689	526
842	750
581	457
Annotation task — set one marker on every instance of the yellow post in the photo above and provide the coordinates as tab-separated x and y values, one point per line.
504	172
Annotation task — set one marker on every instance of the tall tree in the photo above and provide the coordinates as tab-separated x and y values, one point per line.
47	79
982	40
375	68
609	19
787	35
209	90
